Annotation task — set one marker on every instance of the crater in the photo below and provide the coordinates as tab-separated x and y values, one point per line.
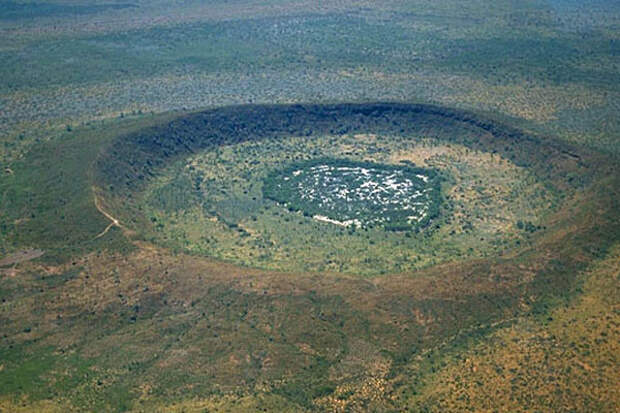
364	189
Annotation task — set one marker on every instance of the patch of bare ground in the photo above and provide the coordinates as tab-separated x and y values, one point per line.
21	256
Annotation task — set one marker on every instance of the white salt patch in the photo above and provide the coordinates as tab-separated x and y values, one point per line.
346	223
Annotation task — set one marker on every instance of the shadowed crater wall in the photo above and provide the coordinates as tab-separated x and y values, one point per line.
135	158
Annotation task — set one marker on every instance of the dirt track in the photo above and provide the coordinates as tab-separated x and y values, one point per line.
115	222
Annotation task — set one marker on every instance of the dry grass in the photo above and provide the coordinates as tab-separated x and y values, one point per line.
567	362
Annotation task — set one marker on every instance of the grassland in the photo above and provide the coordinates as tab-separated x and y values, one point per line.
561	362
511	303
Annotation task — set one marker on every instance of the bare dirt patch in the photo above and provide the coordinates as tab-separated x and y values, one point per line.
21	256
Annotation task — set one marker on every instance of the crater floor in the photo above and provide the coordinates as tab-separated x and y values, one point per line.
360	194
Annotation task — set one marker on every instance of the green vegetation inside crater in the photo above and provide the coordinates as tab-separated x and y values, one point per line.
357	194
